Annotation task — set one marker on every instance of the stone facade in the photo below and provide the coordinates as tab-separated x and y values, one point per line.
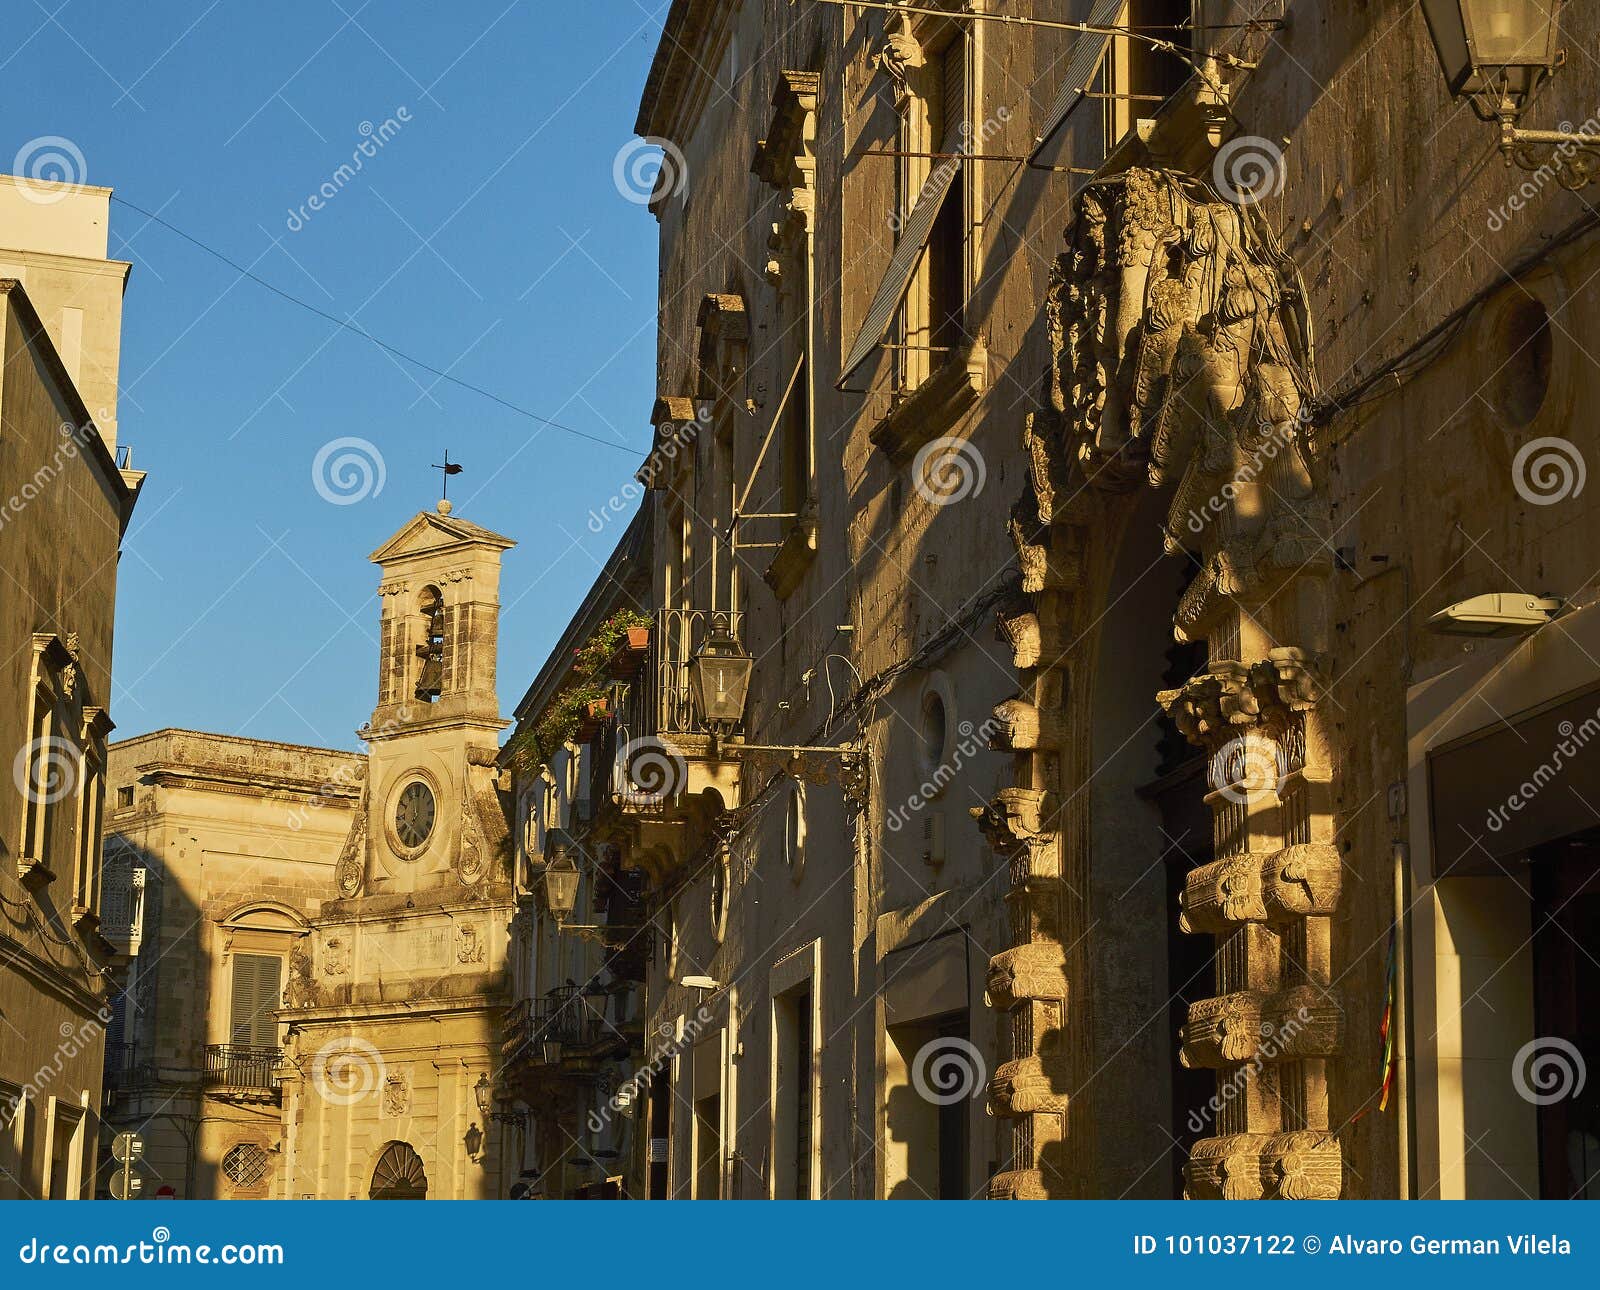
221	852
64	505
1125	544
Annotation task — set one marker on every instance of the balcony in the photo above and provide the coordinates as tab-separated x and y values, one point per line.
240	1073
121	1068
558	1032
659	747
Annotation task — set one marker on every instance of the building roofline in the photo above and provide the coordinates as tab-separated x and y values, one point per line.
38	336
606	594
168	731
693	29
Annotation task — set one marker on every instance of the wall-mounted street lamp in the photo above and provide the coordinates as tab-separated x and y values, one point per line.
560	877
719	677
483	1092
1498	614
1496	53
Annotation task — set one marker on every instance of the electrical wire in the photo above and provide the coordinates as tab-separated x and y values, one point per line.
362	332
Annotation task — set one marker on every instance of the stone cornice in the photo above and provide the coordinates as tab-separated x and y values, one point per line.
685	63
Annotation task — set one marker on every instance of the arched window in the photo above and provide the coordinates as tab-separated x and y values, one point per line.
430	675
399	1175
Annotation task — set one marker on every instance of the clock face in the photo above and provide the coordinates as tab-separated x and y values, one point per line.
413	814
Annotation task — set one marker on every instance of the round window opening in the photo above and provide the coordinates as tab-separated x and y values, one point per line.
933	732
414	814
1523	380
794	828
245	1165
719	897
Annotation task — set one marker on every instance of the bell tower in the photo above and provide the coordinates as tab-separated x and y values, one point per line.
434	732
395	1000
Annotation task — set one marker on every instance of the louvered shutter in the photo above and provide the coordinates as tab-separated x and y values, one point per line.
1082	63
913	234
952	89
257	990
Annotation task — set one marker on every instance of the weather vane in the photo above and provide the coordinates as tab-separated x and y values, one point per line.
449	468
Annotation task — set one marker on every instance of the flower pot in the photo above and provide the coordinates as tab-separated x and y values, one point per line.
630	653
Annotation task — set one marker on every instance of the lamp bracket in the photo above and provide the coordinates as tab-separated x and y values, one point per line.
1573	156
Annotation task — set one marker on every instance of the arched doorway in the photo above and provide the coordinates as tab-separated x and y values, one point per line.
399	1175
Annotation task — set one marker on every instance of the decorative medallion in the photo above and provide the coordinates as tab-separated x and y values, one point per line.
396	1094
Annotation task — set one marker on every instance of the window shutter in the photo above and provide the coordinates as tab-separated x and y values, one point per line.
256	995
1082	64
953	89
913	239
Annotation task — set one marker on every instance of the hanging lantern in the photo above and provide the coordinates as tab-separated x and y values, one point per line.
561	880
719	677
1499	49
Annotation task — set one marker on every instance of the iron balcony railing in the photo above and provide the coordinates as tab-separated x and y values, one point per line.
119	1066
666	703
658	701
241	1066
562	1017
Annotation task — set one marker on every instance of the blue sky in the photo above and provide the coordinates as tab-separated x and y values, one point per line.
486	236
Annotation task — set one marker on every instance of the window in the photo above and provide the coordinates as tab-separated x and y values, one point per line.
124	797
246	1166
934	732
13	1116
257	994
794	1081
44	768
1143	75
795	466
706	1076
935	119
91	799
64	1161
794	829
720	871
1519	384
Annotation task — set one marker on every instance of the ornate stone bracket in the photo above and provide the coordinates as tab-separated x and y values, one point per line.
1182	361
